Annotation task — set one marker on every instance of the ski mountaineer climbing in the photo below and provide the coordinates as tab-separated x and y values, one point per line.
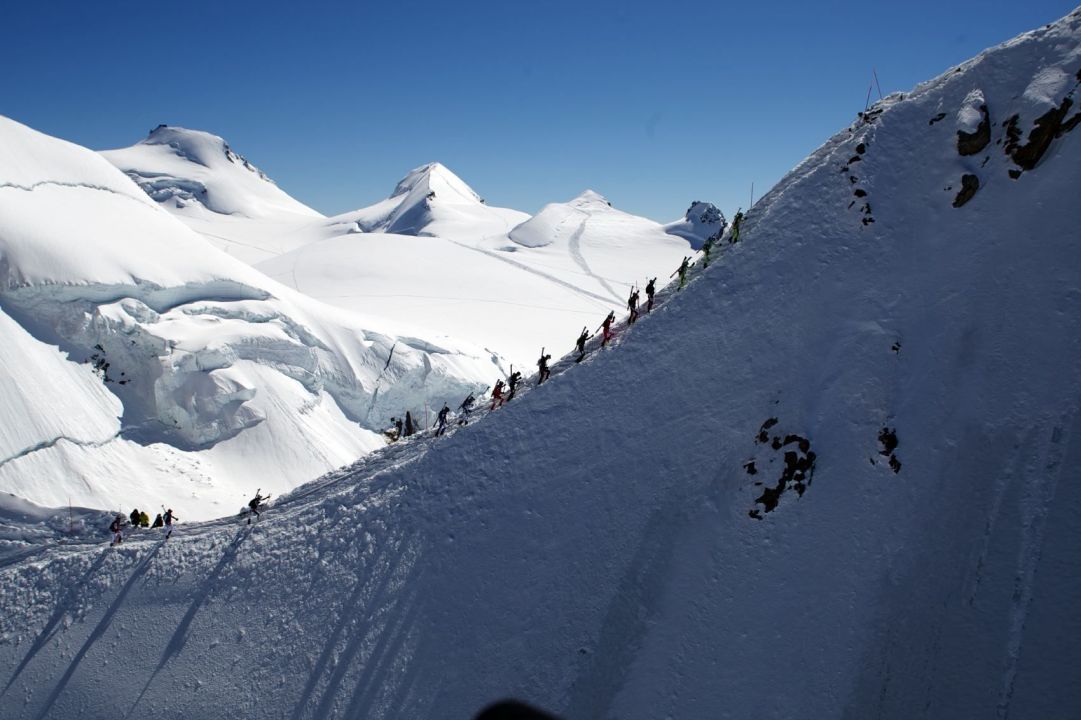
682	270
116	527
737	220
497	394
543	373
706	247
466	407
580	343
651	287
169	518
512	382
607	327
632	305
255	503
443	420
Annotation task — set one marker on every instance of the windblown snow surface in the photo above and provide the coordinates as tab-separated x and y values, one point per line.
600	546
141	365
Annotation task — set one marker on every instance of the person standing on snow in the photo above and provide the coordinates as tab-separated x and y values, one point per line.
607	327
254	504
169	518
410	428
512	382
466	407
682	270
497	394
651	287
116	527
581	344
443	420
737	220
706	247
632	305
543	373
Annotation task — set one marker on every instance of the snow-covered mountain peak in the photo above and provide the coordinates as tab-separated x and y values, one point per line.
194	171
200	147
432	200
590	200
435	181
703	220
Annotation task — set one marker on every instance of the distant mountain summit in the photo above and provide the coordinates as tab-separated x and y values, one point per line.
432	200
702	221
195	169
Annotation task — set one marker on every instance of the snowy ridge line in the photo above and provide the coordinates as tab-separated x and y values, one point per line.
60	183
46	444
522	266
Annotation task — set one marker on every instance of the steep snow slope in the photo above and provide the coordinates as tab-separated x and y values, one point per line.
198	177
591	546
143	366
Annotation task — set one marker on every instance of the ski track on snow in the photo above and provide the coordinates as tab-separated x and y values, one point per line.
527	268
1041	477
574	247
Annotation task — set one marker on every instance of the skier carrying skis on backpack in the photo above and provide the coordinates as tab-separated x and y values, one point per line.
255	503
737	220
606	326
682	270
117	529
169	518
497	394
466	407
443	419
512	383
706	247
543	373
651	287
580	343
632	305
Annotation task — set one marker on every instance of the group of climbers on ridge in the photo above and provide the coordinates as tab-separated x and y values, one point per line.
504	390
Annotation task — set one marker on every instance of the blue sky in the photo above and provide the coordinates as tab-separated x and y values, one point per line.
651	104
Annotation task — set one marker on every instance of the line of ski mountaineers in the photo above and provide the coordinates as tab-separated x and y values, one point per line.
139	519
407	426
504	391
